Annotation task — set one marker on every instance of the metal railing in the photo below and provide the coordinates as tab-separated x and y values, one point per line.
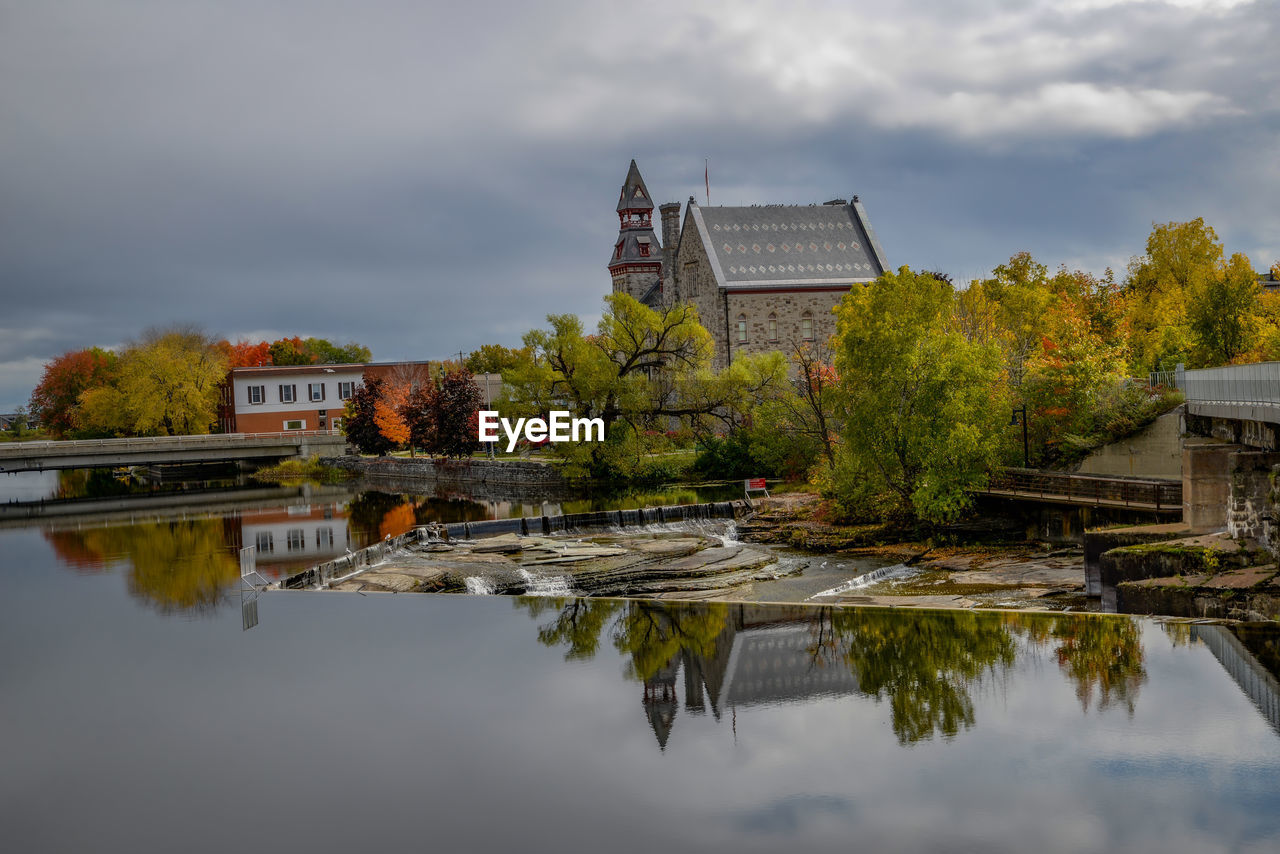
216	439
1244	384
1092	490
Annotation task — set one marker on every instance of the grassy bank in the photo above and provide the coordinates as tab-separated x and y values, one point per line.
290	471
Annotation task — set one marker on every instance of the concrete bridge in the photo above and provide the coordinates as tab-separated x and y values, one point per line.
162	450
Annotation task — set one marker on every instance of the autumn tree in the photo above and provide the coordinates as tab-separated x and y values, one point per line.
927	409
246	354
65	378
359	421
167	383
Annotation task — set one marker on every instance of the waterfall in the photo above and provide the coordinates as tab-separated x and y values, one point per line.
545	585
478	586
898	570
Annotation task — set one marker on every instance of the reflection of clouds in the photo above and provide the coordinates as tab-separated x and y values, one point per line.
786	815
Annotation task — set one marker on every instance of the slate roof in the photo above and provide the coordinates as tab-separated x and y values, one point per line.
629	200
631	239
789	245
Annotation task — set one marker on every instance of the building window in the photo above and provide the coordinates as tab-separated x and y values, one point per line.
346	390
297	424
742	329
257	394
644	250
297	539
337	425
617	250
324	538
806	326
773	326
266	544
315	391
288	393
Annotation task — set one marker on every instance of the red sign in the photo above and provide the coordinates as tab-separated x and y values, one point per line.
755	483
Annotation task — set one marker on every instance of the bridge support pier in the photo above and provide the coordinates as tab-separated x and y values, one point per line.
1206	485
1253	494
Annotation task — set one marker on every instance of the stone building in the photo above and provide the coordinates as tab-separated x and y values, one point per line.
763	277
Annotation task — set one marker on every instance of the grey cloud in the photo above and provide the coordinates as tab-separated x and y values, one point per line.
428	177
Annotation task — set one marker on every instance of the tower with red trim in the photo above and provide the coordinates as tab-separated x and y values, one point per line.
636	263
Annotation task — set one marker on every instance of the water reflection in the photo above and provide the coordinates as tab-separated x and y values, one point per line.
924	664
182	555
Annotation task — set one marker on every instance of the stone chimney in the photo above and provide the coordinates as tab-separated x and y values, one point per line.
670	231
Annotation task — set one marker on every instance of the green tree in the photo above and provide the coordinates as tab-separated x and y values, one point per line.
1181	257
494	359
1224	311
642	369
926	409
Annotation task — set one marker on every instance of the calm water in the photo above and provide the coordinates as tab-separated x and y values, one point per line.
141	715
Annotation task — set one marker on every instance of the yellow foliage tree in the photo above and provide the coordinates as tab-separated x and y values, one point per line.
167	384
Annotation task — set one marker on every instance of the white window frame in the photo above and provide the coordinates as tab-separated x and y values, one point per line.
288	393
258	391
300	422
742	329
265	542
296	539
315	392
346	390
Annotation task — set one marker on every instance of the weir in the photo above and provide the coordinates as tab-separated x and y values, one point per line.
325	573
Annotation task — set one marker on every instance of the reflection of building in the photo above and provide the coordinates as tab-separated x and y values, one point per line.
1259	684
755	662
295	537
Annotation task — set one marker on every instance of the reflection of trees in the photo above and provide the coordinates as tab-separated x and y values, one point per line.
651	634
181	565
1103	655
923	663
577	626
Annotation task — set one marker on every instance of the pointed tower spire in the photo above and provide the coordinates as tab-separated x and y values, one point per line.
636	263
635	195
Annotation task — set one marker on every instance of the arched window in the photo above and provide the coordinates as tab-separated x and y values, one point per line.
806	326
742	329
773	326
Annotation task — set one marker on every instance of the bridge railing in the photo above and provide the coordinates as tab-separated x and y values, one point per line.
1089	489
1246	384
18	448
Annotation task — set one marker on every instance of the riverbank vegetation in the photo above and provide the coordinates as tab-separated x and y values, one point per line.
297	471
924	390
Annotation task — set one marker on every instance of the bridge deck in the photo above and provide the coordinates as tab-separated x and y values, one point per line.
93	453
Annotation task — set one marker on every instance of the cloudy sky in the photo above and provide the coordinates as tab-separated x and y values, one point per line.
427	177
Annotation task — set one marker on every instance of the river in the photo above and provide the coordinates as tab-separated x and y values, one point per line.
151	706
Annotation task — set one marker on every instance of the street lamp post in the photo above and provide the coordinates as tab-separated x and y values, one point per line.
1020	414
